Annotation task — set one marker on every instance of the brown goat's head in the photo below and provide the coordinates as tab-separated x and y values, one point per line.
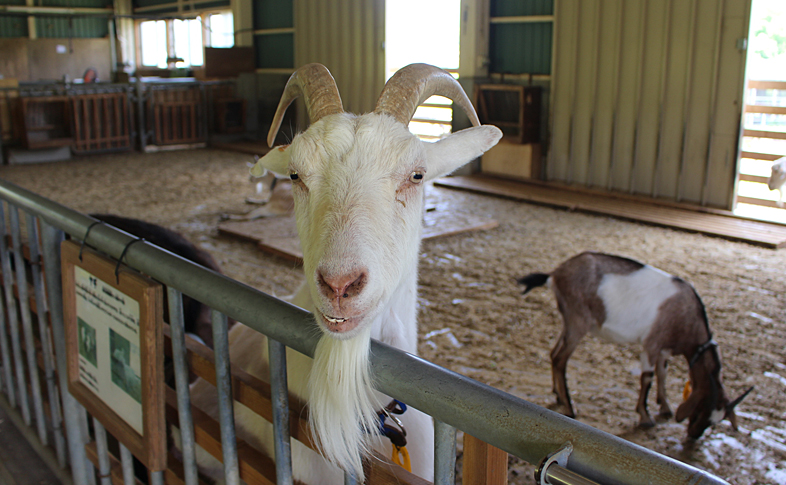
707	404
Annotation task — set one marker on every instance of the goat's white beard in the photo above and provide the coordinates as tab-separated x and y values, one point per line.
342	406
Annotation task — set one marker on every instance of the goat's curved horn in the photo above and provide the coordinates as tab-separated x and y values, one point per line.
318	88
415	83
732	404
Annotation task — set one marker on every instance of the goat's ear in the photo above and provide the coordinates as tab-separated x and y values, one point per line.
688	407
459	148
276	160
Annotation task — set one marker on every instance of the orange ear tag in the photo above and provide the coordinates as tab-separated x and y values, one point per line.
686	391
403	461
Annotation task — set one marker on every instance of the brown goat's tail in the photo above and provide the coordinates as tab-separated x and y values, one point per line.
533	280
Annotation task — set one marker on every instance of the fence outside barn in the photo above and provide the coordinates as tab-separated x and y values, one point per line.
35	387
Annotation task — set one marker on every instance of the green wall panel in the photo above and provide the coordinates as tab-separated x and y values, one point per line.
275	51
273	14
83	27
514	8
11	26
521	48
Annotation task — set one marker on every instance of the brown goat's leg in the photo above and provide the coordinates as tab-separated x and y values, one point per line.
559	362
660	369
645	420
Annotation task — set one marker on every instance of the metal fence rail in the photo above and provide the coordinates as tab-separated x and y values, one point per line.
566	447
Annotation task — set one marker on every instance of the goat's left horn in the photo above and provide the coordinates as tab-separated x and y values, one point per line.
732	404
415	83
318	88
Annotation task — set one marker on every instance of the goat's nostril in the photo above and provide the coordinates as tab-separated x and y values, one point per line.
342	286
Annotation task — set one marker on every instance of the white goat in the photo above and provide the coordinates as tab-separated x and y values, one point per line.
627	302
358	185
778	178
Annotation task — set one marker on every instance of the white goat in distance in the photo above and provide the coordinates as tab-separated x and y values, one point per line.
358	184
778	178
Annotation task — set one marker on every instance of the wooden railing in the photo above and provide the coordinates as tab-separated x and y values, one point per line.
755	164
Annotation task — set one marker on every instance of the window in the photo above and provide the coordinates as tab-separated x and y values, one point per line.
180	42
220	30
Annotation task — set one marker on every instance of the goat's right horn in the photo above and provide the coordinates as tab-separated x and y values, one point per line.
734	403
318	88
415	83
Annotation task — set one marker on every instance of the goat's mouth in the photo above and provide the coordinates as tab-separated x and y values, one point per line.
339	325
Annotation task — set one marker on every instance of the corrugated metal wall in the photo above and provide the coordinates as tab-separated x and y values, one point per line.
647	96
347	37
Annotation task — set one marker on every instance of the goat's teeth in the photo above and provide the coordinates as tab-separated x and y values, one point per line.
335	320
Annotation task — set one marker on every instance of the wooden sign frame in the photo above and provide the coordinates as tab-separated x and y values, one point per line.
115	349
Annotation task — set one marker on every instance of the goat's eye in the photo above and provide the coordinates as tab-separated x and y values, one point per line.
416	177
293	176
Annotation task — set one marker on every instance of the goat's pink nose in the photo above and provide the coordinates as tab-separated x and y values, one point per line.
342	286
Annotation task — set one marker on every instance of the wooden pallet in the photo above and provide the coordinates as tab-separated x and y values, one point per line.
678	216
278	235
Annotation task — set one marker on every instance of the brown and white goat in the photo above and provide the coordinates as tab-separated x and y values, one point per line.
627	302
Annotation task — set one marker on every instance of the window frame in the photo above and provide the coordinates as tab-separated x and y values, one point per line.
203	17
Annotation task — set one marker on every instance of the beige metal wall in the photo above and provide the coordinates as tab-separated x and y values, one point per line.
647	96
346	36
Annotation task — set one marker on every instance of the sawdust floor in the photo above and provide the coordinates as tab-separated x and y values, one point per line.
470	308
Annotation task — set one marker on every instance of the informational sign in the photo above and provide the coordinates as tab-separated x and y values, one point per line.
108	341
114	344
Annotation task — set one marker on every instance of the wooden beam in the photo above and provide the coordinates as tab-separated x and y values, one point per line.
483	464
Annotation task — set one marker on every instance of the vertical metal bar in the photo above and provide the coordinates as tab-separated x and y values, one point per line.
127	461
140	116
13	322
280	401
444	453
75	416
104	469
593	114
175	301
8	378
157	478
225	403
46	344
27	323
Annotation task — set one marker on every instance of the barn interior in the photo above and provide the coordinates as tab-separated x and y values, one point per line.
640	128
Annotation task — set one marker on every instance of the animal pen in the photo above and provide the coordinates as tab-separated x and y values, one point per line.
37	391
106	117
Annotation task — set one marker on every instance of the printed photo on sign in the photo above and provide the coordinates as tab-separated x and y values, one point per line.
125	365
87	342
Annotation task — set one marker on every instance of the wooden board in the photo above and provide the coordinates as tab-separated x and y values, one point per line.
278	235
625	207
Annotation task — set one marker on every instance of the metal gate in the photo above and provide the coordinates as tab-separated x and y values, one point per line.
567	450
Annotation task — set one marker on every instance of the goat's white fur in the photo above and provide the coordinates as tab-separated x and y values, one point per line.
358	208
778	178
647	288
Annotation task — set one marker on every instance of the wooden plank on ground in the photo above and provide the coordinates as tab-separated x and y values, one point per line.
715	224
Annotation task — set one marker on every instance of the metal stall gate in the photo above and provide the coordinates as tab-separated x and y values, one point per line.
33	377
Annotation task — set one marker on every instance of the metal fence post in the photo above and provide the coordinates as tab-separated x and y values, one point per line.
444	453
225	403
13	322
27	323
75	415
277	357
177	330
46	344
